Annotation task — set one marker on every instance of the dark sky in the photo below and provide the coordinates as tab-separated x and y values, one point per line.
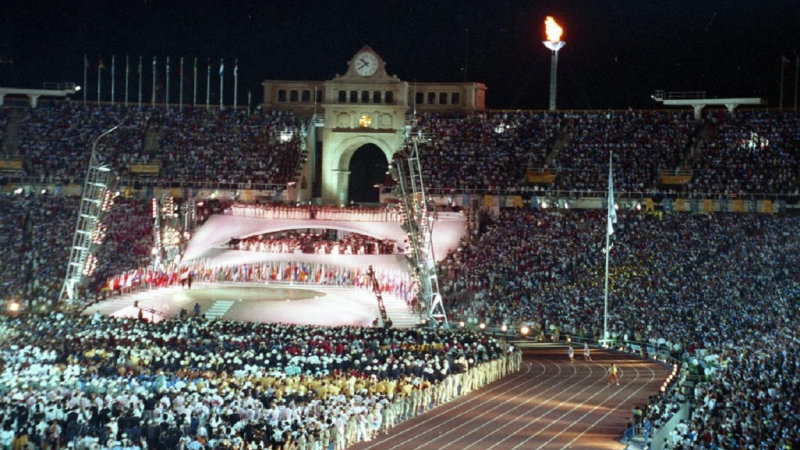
618	51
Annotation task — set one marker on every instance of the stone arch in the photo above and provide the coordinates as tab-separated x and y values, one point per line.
367	169
339	164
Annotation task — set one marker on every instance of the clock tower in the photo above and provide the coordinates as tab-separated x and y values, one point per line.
365	107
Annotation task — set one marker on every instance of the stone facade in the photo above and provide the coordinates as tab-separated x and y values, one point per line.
363	106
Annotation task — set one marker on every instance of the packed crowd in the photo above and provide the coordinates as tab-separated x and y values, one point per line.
751	152
489	150
546	268
536	267
755	151
751	400
126	238
316	242
194	145
233	147
643	142
97	382
35	232
55	142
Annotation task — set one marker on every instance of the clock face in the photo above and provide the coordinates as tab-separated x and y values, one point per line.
365	64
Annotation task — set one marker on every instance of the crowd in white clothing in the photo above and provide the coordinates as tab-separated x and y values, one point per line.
96	382
389	213
316	242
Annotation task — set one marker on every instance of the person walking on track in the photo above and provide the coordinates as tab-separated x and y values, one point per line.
613	375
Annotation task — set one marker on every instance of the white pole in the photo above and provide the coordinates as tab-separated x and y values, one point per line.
166	82
194	84
85	77
127	73
605	301
221	77
99	69
796	69
780	102
235	84
180	96
113	77
140	81
208	82
153	97
608	244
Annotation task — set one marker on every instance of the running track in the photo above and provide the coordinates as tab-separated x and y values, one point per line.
549	403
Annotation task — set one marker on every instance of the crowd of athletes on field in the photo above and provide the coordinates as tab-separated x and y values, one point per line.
717	289
95	382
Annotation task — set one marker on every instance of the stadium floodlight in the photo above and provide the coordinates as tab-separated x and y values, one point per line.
553	31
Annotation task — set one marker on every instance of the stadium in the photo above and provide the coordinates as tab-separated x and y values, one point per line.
371	262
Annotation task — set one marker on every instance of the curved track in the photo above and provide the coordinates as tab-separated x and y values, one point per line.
550	403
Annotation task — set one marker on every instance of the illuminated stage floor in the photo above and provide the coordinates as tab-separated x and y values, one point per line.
273	303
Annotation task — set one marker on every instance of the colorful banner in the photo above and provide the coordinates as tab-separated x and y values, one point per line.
145	169
676	180
10	165
544	177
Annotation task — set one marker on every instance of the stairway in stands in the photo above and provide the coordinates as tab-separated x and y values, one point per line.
10	141
218	309
396	309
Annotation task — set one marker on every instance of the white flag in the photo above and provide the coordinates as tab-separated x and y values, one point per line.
612	213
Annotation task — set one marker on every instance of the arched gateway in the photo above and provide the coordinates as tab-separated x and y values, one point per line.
368	167
364	108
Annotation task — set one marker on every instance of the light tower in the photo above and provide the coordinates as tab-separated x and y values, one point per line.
553	31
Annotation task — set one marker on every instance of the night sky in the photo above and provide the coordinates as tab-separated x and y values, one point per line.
617	53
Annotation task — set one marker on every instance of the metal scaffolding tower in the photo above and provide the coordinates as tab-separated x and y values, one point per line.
95	186
419	225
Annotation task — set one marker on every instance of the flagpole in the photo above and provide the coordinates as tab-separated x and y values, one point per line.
153	95
180	96
99	69
796	69
127	75
780	102
236	83
208	83
194	84
609	228
140	81
85	77
221	76
166	100
113	72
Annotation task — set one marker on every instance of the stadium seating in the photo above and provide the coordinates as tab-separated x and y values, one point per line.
719	289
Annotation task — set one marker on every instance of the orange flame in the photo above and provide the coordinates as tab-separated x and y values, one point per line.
552	29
